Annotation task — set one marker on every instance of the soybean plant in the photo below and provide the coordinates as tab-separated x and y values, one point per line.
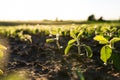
108	51
56	39
76	41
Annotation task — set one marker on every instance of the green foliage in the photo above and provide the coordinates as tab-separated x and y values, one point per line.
2	48
107	50
80	34
50	40
1	53
26	37
112	41
105	53
71	41
88	51
15	76
76	39
1	72
57	34
67	49
101	39
72	34
106	34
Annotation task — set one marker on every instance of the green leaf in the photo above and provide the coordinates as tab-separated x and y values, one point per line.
50	40
101	39
80	33
105	53
88	51
15	76
1	53
59	30
54	32
67	49
112	41
2	47
71	41
1	72
72	34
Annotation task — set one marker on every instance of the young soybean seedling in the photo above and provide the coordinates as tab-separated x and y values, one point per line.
57	38
107	50
24	37
76	39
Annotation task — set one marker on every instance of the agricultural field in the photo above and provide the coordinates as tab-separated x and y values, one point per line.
60	52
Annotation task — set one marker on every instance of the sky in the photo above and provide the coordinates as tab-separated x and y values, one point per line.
62	9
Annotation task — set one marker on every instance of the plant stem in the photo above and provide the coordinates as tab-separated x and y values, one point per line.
57	42
78	43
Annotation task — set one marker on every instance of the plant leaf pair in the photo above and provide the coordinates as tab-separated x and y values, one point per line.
73	35
70	42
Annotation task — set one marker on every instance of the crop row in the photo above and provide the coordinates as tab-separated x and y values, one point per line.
106	35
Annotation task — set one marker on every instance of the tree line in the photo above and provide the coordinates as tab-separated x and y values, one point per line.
92	18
